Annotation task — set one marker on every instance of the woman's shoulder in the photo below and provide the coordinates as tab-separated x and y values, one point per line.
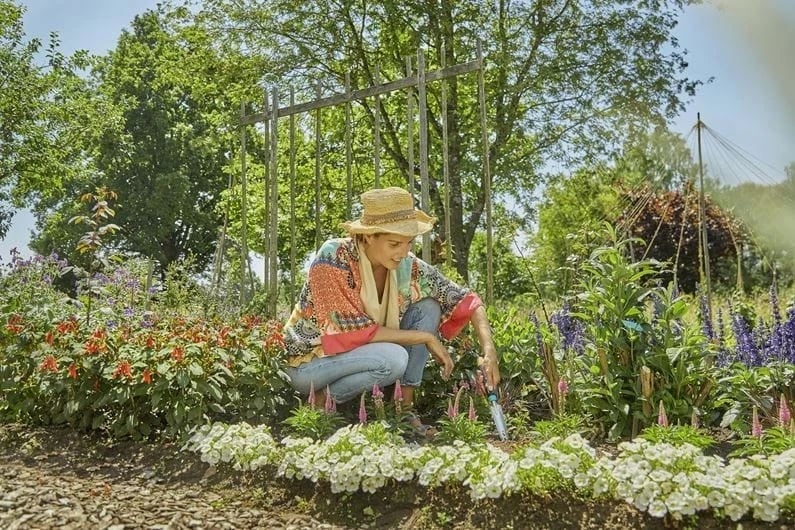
337	249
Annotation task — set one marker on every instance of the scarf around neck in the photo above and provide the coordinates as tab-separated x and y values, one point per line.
384	312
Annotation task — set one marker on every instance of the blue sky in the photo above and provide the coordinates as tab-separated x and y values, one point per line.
746	45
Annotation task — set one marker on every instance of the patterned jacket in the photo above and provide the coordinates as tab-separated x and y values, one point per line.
329	316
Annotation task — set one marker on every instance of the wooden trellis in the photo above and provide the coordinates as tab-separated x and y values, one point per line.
418	80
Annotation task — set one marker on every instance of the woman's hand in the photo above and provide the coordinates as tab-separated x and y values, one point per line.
491	368
441	356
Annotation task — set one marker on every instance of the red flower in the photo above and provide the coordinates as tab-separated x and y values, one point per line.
48	338
123	369
150	342
92	347
178	353
14	324
49	364
146	377
73	371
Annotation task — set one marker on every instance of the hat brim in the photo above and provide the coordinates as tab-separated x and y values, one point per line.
421	224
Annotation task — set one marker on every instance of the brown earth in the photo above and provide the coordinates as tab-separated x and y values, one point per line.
58	478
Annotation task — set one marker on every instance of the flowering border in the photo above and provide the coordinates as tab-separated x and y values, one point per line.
656	478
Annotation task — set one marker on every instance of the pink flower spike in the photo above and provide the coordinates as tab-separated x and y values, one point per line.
457	404
362	411
480	386
333	406
377	393
311	399
784	414
662	417
451	412
473	416
328	405
398	395
563	387
756	426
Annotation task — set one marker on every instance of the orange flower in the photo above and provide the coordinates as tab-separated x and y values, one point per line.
92	347
123	369
48	338
73	371
49	364
146	376
150	342
178	353
14	324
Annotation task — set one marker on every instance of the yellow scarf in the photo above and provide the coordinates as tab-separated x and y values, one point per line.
385	312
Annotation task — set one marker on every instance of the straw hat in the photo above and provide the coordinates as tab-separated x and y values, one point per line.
391	211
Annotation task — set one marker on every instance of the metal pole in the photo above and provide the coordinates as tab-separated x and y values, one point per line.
293	236
702	216
448	250
348	151
377	129
486	179
317	170
273	287
243	243
424	184
410	129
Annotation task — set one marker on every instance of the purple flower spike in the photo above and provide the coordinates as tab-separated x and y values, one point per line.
362	411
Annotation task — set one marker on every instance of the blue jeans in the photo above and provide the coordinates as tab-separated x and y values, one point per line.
377	363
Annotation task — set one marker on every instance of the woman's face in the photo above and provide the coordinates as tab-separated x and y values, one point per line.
387	250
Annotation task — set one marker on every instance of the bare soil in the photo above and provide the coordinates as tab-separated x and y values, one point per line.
58	478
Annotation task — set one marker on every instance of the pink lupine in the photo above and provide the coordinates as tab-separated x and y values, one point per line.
377	393
756	426
398	395
362	411
473	416
457	404
784	414
311	399
451	412
662	417
329	404
563	387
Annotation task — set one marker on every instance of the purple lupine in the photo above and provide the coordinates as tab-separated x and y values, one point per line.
788	336
720	336
762	340
746	349
706	318
570	328
539	338
362	411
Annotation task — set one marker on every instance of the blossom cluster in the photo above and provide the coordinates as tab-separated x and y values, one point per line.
659	478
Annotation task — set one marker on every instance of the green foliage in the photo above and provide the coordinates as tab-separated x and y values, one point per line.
677	435
460	427
773	441
640	351
561	426
313	422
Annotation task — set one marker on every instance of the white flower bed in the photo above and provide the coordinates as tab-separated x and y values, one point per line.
658	478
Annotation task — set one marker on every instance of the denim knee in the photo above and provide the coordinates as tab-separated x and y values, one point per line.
395	359
424	315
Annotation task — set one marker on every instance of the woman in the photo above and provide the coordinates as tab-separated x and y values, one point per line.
371	312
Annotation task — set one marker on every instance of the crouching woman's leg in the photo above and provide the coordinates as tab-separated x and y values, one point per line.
349	374
423	315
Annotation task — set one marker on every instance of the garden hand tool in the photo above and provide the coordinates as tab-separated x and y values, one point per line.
496	413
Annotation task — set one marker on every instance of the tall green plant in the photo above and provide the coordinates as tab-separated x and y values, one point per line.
639	349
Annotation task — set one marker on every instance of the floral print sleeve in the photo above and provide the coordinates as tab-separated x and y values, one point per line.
457	303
